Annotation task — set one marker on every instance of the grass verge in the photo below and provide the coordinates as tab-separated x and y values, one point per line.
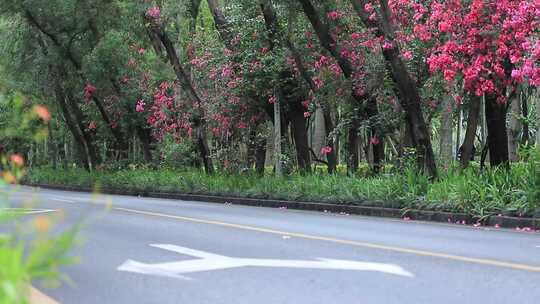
512	192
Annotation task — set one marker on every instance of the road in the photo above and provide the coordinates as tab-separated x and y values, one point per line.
143	250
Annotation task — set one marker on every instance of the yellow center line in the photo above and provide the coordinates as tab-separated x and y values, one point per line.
453	257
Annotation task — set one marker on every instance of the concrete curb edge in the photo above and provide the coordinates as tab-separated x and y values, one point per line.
420	215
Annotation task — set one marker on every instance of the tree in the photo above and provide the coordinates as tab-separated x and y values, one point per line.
489	47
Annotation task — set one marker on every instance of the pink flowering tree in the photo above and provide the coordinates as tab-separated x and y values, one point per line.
488	48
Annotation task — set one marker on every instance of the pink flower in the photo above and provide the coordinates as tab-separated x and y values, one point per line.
355	36
318	82
408	55
326	150
92	126
368	7
334	15
387	45
142	51
132	63
375	141
89	91
322	62
272	99
226	72
242	125
307	114
154	12
517	75
124	80
444	27
140	106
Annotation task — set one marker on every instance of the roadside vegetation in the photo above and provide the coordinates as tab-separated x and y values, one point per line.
408	104
29	250
513	192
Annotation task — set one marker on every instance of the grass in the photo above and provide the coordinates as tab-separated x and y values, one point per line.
514	192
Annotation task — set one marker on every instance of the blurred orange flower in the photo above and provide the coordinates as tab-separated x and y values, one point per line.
42	223
43	113
8	177
17	159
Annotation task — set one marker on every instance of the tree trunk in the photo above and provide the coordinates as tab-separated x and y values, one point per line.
199	124
328	42
353	143
497	134
515	126
331	157
376	141
447	127
82	145
458	131
300	135
145	138
467	149
408	89
538	119
260	156
277	139
221	24
525	113
251	147
68	53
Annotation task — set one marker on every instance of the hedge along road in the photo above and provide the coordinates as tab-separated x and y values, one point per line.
192	252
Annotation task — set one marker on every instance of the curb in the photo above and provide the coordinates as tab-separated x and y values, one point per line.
527	224
37	297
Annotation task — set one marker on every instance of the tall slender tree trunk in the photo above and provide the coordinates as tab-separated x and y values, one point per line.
467	149
199	124
260	156
353	147
483	124
515	126
447	127
329	127
538	119
458	131
407	87
525	113
300	135
146	142
277	139
497	133
377	140
327	41
83	154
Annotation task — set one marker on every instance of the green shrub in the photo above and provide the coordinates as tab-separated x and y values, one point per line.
475	192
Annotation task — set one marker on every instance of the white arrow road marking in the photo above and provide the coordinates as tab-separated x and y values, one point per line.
63	200
210	261
26	210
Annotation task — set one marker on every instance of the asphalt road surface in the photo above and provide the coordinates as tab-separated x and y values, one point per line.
143	250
